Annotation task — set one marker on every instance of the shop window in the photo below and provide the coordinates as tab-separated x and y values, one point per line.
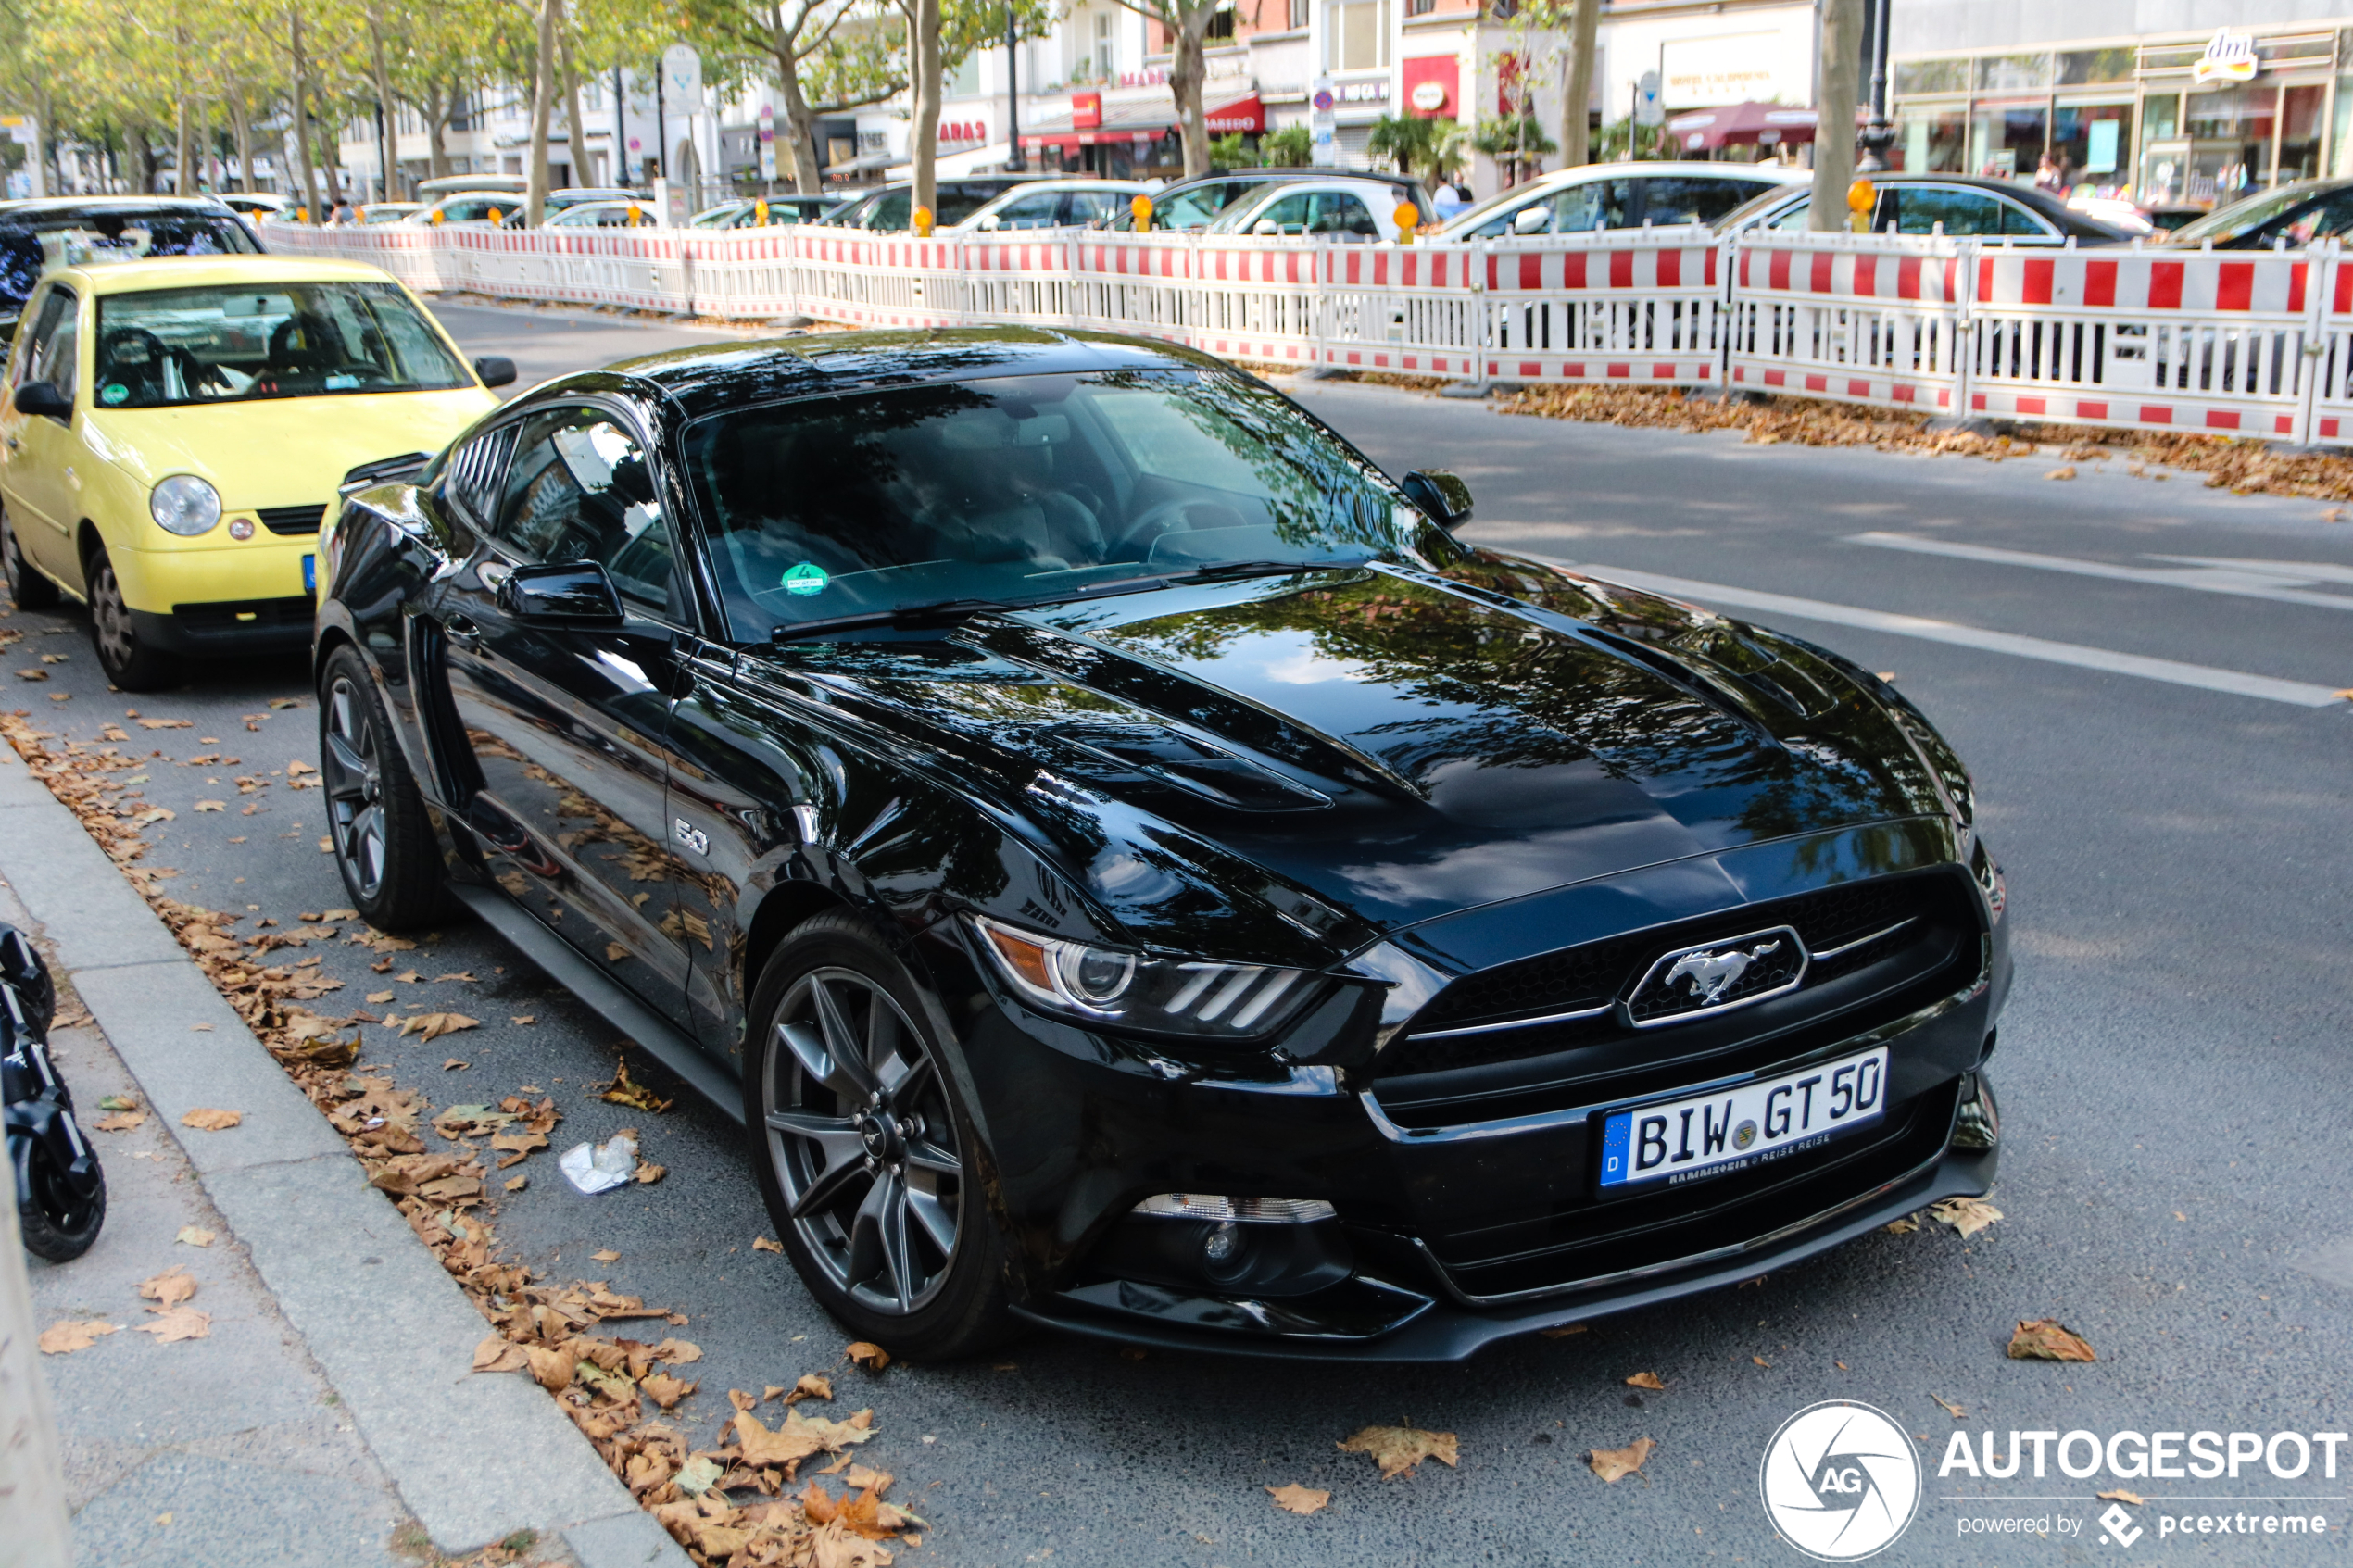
2230	135
2300	120
2084	67
2090	144
1931	141
1931	76
2007	139
2013	73
1360	36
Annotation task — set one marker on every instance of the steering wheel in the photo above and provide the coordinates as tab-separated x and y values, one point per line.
109	353
1178	516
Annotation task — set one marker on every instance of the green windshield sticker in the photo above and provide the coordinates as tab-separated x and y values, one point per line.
806	578
114	393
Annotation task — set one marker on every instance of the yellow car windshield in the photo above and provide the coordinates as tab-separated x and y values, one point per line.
167	348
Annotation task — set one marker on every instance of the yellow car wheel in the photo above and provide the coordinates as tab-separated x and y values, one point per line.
128	662
26	585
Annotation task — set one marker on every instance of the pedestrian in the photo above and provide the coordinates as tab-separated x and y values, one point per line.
343	215
1448	198
2047	176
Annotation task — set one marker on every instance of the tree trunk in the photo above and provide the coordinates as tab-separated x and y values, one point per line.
925	129
299	129
1576	146
800	121
581	173
241	132
1842	70
184	156
438	111
1187	75
387	113
543	84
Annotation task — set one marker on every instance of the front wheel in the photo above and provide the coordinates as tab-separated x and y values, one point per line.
26	585
130	663
865	1150
57	1224
382	837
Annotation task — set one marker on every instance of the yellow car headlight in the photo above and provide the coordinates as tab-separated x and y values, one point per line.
184	504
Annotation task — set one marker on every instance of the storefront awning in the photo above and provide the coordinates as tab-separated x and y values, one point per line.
1141	121
1750	124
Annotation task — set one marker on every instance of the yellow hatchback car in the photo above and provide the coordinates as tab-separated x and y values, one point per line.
175	431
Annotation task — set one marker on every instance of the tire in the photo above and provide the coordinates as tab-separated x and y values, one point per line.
129	663
384	840
56	1225
26	585
873	1145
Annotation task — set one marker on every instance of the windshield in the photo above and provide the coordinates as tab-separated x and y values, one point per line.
2229	222
171	347
1023	490
112	236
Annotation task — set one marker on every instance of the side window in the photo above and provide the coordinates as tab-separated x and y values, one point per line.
1692	199
33	346
1033	211
1288	214
1596	203
2018	223
474	471
2329	217
1336	212
1793	219
888	211
60	357
1961	212
1092	207
580	489
1190	209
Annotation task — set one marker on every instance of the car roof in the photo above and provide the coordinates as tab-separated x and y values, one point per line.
2071	220
1770	173
706	379
39	207
195	272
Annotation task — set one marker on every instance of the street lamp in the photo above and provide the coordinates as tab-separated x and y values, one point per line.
1878	134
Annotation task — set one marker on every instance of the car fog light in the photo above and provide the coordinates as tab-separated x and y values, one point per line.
1978	1125
1243	1211
241	528
1224	1240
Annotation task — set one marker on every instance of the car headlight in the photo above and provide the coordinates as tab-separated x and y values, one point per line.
184	504
1198	997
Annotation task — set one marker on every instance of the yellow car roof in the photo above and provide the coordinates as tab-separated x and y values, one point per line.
193	272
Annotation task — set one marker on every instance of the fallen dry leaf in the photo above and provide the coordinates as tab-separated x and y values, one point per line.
647	1172
1397	1449
606	1255
494	1354
2066	472
1966	1215
212	805
2045	1339
664	1389
1762	1361
1564	1332
810	1386
2120	1495
378	998
763	1243
212	1120
1955	1412
873	1358
65	1339
625	1090
1646	1380
195	1235
516	1183
170	1287
800	1436
430	1026
455	1065
180	1322
526	1017
121	1121
1614	1466
553	1369
1900	1227
1296	1498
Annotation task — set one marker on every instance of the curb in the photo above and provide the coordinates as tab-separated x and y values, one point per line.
475	1458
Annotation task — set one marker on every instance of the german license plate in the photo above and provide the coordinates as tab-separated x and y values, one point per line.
1714	1135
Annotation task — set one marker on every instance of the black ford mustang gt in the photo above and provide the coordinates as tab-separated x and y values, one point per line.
1133	868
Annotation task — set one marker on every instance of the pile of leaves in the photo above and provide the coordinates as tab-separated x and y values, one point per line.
2242	467
439	1170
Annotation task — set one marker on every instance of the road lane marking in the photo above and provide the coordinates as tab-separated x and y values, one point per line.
2281	582
2296	571
2205	677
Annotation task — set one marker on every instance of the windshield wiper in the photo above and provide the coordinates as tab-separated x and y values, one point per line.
904	615
1219	571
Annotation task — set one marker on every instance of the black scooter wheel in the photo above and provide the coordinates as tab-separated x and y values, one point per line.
57	1224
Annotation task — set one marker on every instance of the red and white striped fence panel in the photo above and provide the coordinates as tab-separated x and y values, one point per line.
1858	318
1631	307
1412	309
2330	348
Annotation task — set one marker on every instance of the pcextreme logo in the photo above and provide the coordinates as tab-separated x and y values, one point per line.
1839	1481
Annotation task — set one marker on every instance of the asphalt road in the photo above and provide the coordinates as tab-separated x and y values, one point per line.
2175	1183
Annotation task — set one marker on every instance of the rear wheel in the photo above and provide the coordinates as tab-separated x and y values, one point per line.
865	1150
26	585
57	1224
128	662
383	839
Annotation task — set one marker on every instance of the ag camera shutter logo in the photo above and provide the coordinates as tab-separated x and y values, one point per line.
1839	1481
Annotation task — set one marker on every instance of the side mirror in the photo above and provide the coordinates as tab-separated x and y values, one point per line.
990	224
496	370
1267	228
576	590
1441	494
40	397
1536	219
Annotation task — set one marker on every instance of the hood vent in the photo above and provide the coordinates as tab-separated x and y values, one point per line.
1137	755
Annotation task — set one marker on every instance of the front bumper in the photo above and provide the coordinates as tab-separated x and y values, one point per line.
213	569
237	626
1446	1242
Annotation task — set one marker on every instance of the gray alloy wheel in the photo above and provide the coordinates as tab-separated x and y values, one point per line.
354	788
863	1145
129	663
27	588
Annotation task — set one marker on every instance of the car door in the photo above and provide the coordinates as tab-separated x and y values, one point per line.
1342	213
1036	209
1283	215
1690	198
44	454
1962	211
565	721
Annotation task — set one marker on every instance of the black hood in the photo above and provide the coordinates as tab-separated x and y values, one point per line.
1360	749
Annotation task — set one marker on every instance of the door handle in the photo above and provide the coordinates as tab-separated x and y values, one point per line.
461	631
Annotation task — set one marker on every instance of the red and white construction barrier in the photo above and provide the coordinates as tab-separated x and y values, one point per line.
2252	345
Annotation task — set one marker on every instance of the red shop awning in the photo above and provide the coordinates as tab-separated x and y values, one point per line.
1142	122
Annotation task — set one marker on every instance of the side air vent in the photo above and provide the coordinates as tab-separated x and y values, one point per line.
1138	754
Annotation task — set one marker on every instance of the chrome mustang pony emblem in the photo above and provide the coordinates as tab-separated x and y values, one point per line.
1713	973
1717	976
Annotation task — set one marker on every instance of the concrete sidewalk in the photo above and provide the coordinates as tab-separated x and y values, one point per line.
331	1417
